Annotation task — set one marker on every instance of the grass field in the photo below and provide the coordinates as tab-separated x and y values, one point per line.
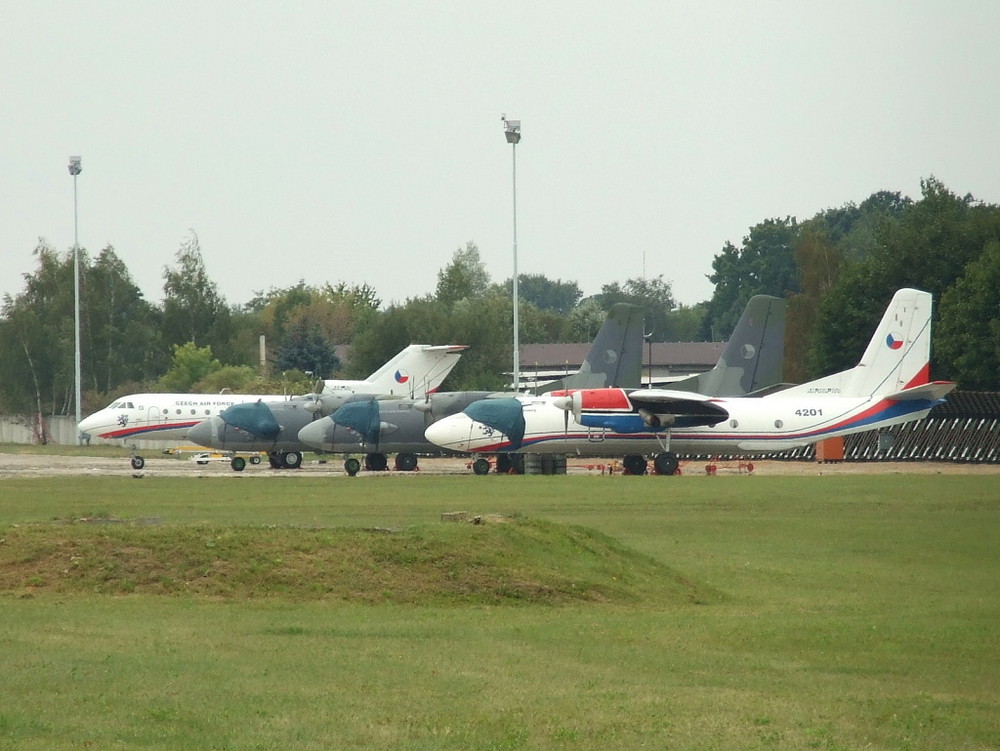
605	612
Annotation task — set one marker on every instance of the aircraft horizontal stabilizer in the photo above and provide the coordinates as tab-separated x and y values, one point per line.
934	391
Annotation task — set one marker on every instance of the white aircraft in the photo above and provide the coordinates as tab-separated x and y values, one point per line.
416	371
890	385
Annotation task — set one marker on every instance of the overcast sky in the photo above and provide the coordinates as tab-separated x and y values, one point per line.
362	141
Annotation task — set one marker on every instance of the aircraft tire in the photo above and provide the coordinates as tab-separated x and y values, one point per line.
665	463
634	464
352	466
504	464
238	463
547	463
291	460
376	462
406	462
481	466
138	462
275	461
532	464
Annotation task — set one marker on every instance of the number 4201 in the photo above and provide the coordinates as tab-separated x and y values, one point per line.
809	412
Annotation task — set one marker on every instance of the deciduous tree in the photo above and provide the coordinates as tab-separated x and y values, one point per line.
465	277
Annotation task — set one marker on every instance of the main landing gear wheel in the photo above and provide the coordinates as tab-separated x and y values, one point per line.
238	463
634	464
352	466
406	462
138	462
481	466
666	463
291	460
376	462
275	460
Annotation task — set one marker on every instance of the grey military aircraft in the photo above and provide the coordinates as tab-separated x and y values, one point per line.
376	426
750	363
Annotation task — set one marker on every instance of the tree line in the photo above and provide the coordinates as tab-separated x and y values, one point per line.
837	271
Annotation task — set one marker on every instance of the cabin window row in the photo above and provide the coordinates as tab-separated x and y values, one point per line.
129	405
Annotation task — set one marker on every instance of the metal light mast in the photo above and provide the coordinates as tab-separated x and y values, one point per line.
74	170
512	131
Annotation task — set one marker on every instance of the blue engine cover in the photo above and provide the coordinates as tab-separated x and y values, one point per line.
363	417
505	415
255	418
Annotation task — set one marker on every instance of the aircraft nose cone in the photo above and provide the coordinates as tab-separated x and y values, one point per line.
204	432
314	434
448	432
88	424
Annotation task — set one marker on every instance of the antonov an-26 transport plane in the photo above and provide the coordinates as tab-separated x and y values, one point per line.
889	386
416	371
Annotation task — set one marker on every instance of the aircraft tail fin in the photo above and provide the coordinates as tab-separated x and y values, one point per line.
753	359
416	371
897	357
615	357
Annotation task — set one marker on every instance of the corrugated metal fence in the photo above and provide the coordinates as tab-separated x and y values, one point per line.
966	428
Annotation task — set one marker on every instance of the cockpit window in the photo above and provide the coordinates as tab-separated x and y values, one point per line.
129	405
116	405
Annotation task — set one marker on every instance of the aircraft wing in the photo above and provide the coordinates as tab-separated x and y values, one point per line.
678	408
642	410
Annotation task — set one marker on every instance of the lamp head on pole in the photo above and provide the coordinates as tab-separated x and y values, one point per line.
511	129
74	166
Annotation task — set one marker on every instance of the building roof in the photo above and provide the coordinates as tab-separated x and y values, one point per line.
682	355
560	358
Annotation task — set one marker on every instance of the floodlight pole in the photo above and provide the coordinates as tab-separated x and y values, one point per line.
512	132
74	170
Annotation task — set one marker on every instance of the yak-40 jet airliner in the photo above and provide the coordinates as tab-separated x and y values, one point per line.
416	371
889	386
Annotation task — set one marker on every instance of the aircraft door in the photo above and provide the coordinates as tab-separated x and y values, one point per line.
596	435
154	415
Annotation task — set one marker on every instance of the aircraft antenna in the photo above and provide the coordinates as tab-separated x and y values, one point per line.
648	338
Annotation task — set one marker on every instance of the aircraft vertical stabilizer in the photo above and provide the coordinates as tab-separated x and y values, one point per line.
905	326
897	356
615	357
416	371
754	356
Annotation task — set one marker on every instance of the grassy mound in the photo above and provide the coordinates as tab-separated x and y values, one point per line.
446	563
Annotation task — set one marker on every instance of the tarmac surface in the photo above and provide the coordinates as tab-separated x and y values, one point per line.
38	465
